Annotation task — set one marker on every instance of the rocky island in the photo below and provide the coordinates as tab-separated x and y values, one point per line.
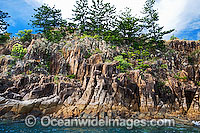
99	65
81	80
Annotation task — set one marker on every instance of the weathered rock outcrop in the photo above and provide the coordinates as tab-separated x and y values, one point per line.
40	84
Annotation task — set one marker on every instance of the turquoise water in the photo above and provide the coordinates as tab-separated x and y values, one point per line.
20	127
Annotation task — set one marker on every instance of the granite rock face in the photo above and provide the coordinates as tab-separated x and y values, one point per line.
73	79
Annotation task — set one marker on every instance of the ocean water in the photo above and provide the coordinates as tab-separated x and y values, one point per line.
20	127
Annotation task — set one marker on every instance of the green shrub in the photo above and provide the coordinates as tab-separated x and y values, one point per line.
128	78
142	66
164	66
113	46
55	35
160	85
47	65
25	35
177	76
190	60
97	50
141	53
9	73
29	72
173	37
71	76
198	83
107	60
88	54
89	36
18	51
56	79
123	64
112	37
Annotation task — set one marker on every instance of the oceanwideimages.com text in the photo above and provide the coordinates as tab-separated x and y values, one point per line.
47	121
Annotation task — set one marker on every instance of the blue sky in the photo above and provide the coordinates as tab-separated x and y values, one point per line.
20	13
182	15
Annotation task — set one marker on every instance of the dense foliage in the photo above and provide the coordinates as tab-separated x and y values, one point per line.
18	51
95	19
25	35
49	21
123	64
47	18
101	19
128	26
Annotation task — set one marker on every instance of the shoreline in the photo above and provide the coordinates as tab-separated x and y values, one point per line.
186	122
178	122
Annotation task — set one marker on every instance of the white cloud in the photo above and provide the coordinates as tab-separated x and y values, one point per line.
171	13
178	14
174	14
135	5
195	26
66	6
33	3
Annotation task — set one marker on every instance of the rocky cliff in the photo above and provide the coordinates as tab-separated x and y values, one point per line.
75	79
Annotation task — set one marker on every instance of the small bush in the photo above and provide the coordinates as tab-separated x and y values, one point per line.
29	72
25	35
88	54
173	37
96	51
55	35
177	76
108	61
113	46
142	66
89	36
56	79
198	83
164	66
71	76
123	64
18	51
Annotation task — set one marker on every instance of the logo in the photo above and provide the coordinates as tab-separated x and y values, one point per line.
30	121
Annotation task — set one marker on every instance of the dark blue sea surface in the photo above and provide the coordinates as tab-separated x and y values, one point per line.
20	127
